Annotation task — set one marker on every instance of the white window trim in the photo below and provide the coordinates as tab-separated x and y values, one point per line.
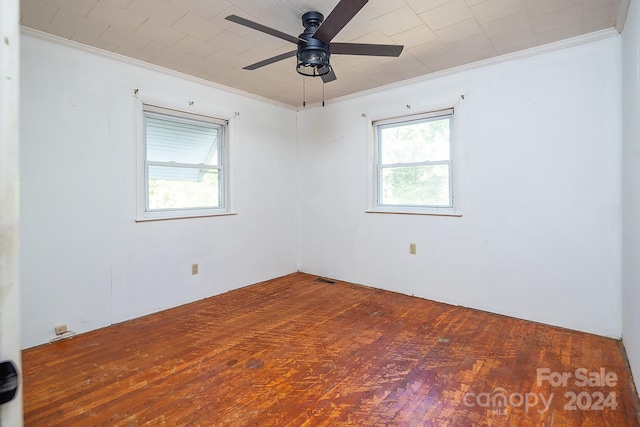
142	213
455	210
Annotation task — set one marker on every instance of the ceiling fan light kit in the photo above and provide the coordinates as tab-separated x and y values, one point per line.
313	55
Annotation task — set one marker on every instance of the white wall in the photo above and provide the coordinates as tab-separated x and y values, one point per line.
631	189
539	238
10	413
85	261
540	235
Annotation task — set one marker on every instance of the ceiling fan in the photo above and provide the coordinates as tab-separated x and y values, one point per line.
314	44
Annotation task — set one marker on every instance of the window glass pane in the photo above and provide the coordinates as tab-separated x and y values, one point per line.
183	188
176	141
419	185
415	142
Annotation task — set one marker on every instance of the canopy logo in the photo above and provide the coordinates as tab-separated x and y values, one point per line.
499	399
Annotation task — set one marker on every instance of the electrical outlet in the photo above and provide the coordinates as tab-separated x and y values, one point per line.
194	269
412	248
61	329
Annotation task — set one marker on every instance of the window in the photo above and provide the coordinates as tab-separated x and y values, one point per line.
414	164
185	170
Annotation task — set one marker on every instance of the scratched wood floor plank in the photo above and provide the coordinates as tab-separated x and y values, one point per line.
294	351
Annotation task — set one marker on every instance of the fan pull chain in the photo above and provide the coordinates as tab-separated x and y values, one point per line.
323	94
304	93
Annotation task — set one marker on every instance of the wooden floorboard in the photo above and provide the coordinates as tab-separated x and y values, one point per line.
297	352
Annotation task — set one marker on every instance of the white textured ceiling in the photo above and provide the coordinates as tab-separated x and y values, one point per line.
192	36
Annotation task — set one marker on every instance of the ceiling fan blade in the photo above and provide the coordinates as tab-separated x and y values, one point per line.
271	60
366	49
262	28
329	77
337	19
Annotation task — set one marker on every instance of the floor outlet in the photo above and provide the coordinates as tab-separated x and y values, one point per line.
61	329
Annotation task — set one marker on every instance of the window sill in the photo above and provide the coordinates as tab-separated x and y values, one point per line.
416	212
186	216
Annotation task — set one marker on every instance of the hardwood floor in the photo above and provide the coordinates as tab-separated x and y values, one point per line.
294	351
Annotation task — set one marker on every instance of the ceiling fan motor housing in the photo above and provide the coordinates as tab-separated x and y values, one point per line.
313	55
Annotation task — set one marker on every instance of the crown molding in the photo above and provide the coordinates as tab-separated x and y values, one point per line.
514	56
153	67
527	53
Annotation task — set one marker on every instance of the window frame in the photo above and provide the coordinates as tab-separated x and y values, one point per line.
144	213
375	187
